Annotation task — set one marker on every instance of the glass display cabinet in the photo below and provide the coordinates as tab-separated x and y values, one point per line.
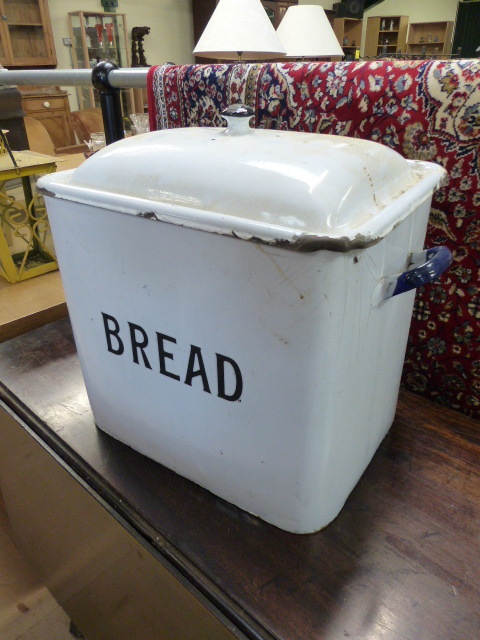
99	36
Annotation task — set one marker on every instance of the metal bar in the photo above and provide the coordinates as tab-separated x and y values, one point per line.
107	78
109	101
28	193
7	147
118	78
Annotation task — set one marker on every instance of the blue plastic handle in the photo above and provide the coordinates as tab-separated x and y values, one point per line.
433	262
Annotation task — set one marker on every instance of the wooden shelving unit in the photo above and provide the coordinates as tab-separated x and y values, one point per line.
385	36
26	38
349	35
430	39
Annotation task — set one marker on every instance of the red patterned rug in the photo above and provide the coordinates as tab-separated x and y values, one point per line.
427	110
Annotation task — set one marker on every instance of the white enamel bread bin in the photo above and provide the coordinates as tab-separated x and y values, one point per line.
230	292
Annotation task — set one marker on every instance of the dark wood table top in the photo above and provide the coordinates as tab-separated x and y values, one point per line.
401	561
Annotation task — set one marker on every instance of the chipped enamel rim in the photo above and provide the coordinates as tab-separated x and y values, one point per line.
294	189
430	177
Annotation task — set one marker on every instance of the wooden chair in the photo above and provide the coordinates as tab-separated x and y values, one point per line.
86	122
39	140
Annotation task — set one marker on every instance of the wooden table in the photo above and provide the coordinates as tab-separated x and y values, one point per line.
36	301
30	304
401	561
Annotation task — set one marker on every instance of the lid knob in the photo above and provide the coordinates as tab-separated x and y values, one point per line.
238	118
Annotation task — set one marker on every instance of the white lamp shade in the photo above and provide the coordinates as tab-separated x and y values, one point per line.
239	27
306	33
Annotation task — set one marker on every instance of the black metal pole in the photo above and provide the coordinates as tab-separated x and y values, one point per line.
109	101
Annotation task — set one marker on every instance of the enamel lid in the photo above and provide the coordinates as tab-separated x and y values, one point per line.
300	190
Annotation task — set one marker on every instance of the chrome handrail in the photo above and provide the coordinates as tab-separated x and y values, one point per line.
106	77
118	78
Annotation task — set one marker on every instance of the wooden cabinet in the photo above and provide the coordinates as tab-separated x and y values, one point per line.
50	106
26	38
430	39
349	35
99	36
11	117
276	10
386	35
202	12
